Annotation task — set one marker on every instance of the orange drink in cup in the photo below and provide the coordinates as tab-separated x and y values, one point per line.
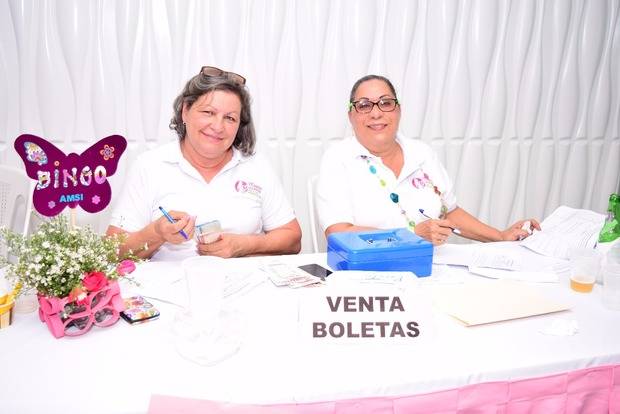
584	267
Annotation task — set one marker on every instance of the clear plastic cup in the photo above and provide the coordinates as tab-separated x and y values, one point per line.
26	302
205	277
584	266
205	332
611	286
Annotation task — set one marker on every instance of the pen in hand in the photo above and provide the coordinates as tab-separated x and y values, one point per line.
455	231
171	220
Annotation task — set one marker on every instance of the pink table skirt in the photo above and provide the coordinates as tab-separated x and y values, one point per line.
592	390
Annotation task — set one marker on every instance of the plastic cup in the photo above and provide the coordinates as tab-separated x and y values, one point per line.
205	277
611	286
26	302
584	266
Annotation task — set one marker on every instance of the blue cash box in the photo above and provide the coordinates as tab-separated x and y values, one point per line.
387	250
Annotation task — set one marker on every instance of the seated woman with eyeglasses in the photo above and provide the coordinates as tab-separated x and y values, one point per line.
379	179
209	175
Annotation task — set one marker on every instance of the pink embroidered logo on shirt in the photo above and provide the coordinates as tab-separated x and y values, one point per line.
241	186
248	187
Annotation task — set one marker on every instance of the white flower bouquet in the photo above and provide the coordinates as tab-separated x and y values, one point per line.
74	272
58	261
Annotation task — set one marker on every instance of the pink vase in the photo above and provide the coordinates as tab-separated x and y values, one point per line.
100	308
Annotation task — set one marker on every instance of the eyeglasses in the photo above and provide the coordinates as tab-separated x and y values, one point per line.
97	309
213	71
364	106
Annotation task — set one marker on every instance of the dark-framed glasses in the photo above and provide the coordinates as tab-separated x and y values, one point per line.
364	106
213	71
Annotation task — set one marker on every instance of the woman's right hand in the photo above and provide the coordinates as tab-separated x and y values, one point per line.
170	232
435	231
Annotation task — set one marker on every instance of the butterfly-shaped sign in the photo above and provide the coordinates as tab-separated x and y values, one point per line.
70	180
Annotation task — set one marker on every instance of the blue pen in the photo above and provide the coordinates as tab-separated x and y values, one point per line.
455	231
171	220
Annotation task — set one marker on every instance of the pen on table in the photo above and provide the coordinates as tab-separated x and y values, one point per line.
455	231
171	220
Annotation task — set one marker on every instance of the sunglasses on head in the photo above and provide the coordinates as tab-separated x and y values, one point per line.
213	71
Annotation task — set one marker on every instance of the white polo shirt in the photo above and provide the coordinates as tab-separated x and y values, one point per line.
347	191
245	196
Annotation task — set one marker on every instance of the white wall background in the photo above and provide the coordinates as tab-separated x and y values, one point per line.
520	98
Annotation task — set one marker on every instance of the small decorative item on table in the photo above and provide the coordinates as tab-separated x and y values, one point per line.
71	316
6	309
74	272
139	310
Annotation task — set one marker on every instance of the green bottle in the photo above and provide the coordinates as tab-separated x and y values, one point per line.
611	228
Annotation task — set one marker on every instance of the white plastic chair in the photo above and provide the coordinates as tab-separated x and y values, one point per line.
318	239
15	199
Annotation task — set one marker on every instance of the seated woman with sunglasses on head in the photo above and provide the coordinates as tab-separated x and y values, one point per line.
209	175
380	180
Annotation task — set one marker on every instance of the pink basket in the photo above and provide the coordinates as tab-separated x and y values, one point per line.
66	317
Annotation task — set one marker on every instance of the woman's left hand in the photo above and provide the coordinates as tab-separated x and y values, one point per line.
227	245
517	230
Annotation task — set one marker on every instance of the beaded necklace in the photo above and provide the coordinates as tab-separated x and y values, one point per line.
424	181
393	196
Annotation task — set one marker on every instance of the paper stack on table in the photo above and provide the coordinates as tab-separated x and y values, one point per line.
496	261
564	229
165	281
372	276
524	276
284	274
478	255
482	302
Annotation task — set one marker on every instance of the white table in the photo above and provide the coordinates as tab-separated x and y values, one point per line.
118	369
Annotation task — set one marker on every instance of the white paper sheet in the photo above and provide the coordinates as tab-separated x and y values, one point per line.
564	229
477	303
453	254
164	281
371	276
478	255
525	276
443	274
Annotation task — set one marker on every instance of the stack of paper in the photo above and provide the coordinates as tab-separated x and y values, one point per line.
566	228
525	276
477	303
494	260
478	255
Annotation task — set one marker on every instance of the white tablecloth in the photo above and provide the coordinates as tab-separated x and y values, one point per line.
117	369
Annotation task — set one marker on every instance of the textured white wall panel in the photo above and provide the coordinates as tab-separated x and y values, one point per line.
521	99
9	82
